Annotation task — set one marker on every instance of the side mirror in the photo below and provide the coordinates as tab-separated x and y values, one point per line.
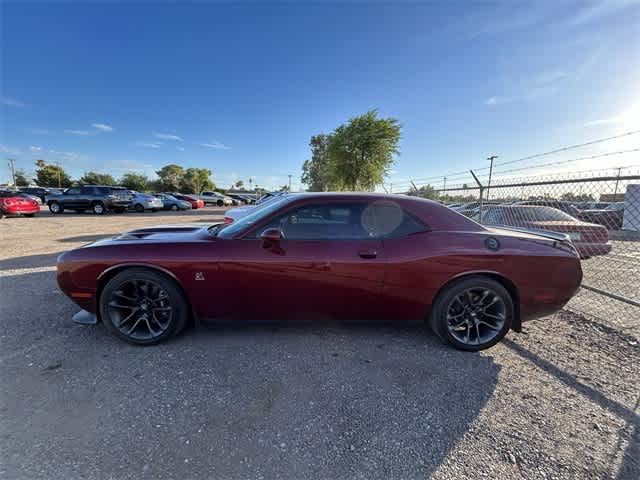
271	237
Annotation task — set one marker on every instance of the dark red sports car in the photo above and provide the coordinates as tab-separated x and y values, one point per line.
195	202
17	203
344	256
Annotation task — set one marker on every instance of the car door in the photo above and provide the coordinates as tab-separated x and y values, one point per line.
87	195
325	266
70	198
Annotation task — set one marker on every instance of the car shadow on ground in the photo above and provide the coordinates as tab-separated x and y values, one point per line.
630	466
29	261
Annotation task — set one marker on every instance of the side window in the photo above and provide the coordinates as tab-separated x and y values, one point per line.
72	191
329	221
87	191
346	221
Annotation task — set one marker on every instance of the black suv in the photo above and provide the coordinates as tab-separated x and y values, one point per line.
97	198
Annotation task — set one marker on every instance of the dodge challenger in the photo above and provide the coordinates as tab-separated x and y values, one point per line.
347	256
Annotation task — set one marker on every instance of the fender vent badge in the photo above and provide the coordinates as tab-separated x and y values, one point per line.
199	276
492	243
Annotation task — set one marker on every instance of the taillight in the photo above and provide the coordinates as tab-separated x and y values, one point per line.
7	202
228	220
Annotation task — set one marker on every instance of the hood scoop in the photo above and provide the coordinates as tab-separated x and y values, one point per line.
142	233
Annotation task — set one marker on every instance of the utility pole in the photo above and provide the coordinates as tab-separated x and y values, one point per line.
13	171
58	168
491	159
615	191
290	182
444	186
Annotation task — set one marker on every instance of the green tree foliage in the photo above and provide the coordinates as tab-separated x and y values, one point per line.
135	181
171	177
573	197
95	178
239	184
316	173
426	191
21	179
361	152
195	180
51	175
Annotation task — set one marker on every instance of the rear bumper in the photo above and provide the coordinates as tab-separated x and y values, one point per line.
586	250
21	210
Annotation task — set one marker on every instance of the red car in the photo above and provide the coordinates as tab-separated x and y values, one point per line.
589	239
195	202
327	255
17	203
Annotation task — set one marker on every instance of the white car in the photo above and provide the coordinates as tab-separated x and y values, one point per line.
234	214
215	198
143	201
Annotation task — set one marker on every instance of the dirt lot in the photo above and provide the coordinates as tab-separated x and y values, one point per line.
276	400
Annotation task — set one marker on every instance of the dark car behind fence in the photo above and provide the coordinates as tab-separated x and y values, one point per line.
611	283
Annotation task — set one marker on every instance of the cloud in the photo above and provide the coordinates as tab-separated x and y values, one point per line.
35	149
39	131
215	145
537	86
596	10
102	127
180	148
148	144
9	150
78	132
10	102
168	136
629	118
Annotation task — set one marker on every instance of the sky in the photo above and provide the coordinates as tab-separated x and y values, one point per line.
239	88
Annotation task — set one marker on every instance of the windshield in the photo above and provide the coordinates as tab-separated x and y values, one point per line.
256	215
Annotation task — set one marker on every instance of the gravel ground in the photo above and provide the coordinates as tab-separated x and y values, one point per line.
302	400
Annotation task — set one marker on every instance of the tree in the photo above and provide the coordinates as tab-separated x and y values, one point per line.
195	180
135	181
316	173
572	197
361	152
239	184
95	178
171	177
51	175
284	188
21	179
426	191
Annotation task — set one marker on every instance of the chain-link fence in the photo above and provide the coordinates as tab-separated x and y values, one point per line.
600	214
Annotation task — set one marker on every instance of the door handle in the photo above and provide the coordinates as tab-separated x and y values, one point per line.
368	254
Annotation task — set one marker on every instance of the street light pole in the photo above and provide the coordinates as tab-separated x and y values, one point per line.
13	172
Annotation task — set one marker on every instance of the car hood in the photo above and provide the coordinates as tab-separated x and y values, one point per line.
186	232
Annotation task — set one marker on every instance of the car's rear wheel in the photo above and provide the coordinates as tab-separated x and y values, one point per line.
472	313
220	203
143	307
139	208
174	208
55	208
98	208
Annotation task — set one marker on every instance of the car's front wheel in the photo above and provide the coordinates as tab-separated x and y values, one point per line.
55	208
143	307
472	313
98	208
139	208
174	208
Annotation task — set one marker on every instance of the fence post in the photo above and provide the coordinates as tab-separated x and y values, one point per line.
481	187
615	191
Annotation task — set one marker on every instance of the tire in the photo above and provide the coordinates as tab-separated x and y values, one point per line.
174	208
121	291
98	208
138	208
56	208
220	203
464	309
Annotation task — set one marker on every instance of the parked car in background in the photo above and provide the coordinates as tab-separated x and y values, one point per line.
99	199
169	202
592	205
611	217
32	197
215	198
589	239
143	201
242	200
195	202
16	203
566	207
234	214
39	192
343	256
470	208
